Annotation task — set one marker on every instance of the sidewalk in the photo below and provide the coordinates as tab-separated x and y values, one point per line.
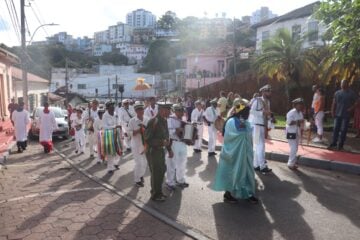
309	156
43	197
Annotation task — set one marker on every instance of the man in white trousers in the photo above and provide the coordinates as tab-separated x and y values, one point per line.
79	125
197	118
260	113
91	115
21	119
211	114
136	129
124	116
98	126
110	122
176	165
294	123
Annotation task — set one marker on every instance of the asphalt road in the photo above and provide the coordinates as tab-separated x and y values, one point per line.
308	204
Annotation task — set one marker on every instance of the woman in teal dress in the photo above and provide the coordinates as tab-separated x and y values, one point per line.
235	173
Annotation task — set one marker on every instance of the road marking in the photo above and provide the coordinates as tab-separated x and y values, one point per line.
50	193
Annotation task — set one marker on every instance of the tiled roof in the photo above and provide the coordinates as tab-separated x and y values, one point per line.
297	13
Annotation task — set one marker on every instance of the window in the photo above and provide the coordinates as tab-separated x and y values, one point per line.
313	31
81	86
296	31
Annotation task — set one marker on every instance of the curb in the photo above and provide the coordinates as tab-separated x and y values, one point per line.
178	226
332	165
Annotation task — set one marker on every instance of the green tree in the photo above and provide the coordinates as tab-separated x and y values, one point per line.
159	57
343	23
168	21
283	57
114	58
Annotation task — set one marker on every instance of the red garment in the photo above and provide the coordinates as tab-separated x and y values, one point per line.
48	145
357	116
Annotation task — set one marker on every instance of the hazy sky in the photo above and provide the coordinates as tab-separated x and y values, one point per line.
84	17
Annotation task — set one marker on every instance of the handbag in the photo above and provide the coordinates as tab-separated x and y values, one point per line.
290	135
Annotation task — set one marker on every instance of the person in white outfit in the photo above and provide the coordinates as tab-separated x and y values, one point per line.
319	106
79	125
152	110
197	118
98	126
47	124
110	122
294	124
136	129
21	119
124	116
90	116
176	165
260	114
210	116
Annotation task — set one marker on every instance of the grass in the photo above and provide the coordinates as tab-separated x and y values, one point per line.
281	122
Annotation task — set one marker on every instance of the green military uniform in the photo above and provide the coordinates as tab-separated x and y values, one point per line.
155	134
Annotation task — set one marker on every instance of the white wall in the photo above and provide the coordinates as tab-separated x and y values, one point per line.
273	27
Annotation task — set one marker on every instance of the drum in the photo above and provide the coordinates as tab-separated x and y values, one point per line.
190	134
110	143
219	124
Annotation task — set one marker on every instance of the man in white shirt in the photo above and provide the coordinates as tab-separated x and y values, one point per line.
176	166
197	118
259	115
211	114
110	122
98	126
123	120
21	119
78	124
152	110
222	104
90	116
294	123
136	129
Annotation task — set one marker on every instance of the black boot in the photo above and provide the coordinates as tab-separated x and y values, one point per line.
229	198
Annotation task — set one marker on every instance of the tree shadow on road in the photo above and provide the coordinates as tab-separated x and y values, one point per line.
193	162
209	172
334	196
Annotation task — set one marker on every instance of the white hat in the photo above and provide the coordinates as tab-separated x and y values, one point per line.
266	87
125	100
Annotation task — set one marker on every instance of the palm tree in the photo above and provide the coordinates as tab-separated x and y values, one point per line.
282	56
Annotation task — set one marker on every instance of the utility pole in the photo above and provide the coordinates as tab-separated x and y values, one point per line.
234	41
116	90
66	81
24	55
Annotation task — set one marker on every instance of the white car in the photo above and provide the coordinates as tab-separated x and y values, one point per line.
63	127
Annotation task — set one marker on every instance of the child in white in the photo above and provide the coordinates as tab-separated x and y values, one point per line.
136	127
79	124
98	126
294	122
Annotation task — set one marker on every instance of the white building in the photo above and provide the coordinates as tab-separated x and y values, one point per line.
141	18
261	15
101	37
135	52
104	79
100	49
299	22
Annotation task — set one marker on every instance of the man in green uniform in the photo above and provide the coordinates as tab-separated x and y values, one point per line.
157	139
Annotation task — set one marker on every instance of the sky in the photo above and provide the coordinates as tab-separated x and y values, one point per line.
84	17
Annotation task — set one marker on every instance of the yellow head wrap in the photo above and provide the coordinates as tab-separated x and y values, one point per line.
239	104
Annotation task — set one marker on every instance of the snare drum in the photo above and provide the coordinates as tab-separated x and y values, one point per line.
190	134
110	143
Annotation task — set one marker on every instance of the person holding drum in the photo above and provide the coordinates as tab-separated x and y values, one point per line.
197	119
176	165
110	123
79	125
124	118
136	129
210	116
260	113
157	139
90	116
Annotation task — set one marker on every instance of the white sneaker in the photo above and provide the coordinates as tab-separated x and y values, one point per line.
317	140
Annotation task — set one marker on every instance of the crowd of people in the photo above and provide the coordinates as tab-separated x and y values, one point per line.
157	135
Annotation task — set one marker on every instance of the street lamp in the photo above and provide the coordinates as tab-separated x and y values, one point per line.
24	57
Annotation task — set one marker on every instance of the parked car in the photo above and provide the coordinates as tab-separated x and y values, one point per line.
63	127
